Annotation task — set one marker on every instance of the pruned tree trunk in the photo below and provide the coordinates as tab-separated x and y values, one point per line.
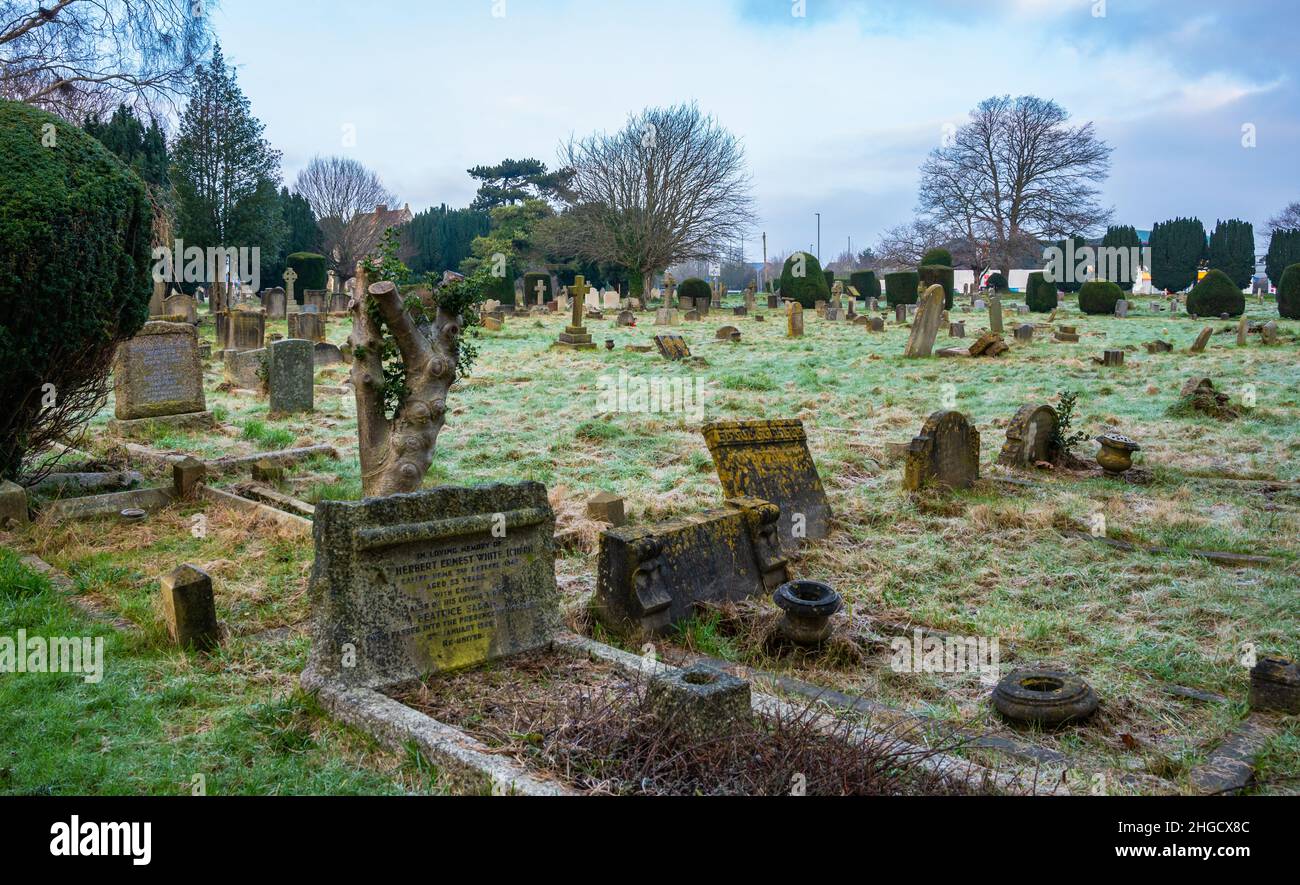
396	452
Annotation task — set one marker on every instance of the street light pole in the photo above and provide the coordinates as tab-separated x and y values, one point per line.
819	237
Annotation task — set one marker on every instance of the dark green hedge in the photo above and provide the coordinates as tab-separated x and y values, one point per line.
830	280
696	288
311	271
937	257
1040	295
938	275
1288	293
1099	297
809	288
866	283
1215	295
75	265
998	282
901	287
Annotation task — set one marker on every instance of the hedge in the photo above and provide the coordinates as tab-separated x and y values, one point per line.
937	257
1288	293
1040	295
866	283
1099	297
998	282
1215	295
938	275
696	288
809	288
311	271
901	287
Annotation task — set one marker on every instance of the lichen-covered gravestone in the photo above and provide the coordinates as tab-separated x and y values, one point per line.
158	377
769	460
1031	437
274	301
307	326
672	347
926	327
946	453
413	585
247	330
794	320
290	375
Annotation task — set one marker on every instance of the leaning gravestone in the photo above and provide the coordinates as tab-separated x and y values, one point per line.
926	327
1202	339
1031	437
246	369
649	578
672	347
769	460
946	453
290	376
158	377
413	585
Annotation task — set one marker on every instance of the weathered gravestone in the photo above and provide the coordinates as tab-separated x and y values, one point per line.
189	608
769	460
157	376
325	354
725	333
794	320
1031	437
274	302
946	453
665	316
338	303
995	314
652	577
1025	333
181	306
1202	340
626	318
307	326
575	336
1121	308
316	301
247	330
413	585
672	347
246	369
928	317
290	375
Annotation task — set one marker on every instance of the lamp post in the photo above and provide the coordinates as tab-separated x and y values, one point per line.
819	237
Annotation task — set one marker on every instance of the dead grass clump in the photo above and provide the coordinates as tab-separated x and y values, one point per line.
580	531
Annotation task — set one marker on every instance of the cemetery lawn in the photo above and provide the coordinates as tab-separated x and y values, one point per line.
996	561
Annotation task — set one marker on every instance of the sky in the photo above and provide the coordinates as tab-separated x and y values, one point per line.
836	102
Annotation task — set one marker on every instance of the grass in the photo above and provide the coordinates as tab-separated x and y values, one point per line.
988	562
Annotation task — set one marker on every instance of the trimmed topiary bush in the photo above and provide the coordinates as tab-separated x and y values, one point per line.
938	275
1099	296
803	280
901	287
1288	293
998	282
866	283
1040	295
530	288
1216	294
696	288
75	266
937	257
311	271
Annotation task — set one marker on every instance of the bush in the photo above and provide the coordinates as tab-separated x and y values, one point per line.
902	287
530	288
810	287
938	275
1177	248
311	271
1288	293
75	262
830	280
1099	296
1283	251
1040	295
1215	295
696	288
937	257
998	282
866	283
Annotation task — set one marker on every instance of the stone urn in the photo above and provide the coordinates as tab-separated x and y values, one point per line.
808	606
1116	455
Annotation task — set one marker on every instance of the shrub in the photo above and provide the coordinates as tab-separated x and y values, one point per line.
1123	272
808	288
530	287
998	282
1177	248
1040	295
75	263
902	287
830	280
937	257
1283	251
938	275
1232	250
866	283
1099	296
696	288
1288	293
1215	295
311	272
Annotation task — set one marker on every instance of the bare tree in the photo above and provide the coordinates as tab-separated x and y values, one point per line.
1015	174
344	195
902	246
71	56
1287	219
670	187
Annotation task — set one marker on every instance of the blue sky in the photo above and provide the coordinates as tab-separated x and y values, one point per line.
837	108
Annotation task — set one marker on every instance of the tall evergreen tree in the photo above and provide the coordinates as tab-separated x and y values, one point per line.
1283	251
144	150
1232	250
1122	236
440	238
1177	249
226	174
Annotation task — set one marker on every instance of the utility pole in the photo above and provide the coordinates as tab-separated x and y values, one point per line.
819	237
762	279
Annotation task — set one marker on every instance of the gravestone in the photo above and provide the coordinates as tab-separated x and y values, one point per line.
665	316
773	302
338	303
575	336
672	347
413	585
247	331
606	507
946	453
1202	340
900	314
307	326
246	369
157	376
1268	334
610	300
691	316
1243	330
685	303
290	277
926	328
189	608
325	354
1025	333
995	313
1154	347
770	460
957	330
290	376
316	301
181	306
13	505
794	320
725	333
1121	308
626	318
877	324
649	578
274	302
1030	437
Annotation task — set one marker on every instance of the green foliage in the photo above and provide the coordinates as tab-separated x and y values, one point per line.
1122	237
516	181
998	282
509	247
1040	295
1216	294
312	272
938	275
440	239
696	288
1064	439
1283	251
1069	276
144	150
74	267
1288	293
1177	249
1232	250
803	280
1099	297
302	234
937	257
901	287
530	287
830	280
866	282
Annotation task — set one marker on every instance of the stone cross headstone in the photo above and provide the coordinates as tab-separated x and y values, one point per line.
576	336
770	460
540	291
290	375
290	277
946	453
926	327
158	374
